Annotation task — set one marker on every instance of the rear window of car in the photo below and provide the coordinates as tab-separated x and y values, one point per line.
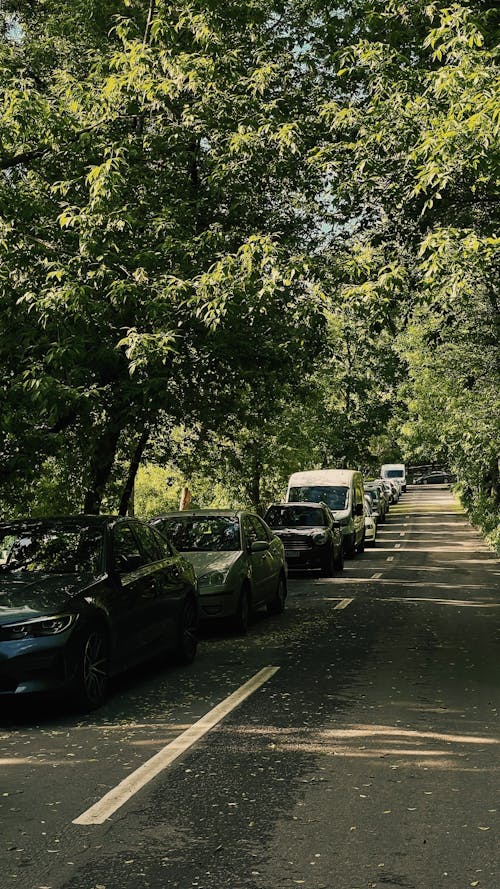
294	516
202	533
51	549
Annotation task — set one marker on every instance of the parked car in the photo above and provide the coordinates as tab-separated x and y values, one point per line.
396	490
437	477
377	508
383	500
310	535
386	491
240	563
342	491
396	471
370	522
84	597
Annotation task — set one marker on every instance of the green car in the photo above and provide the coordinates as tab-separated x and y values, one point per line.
240	563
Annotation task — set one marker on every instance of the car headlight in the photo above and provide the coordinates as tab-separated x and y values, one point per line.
212	578
39	626
320	539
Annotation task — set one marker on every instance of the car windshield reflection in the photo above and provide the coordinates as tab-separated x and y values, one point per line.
203	533
335	496
294	517
45	549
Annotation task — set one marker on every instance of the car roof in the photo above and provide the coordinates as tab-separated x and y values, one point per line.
324	477
309	503
61	520
69	520
200	512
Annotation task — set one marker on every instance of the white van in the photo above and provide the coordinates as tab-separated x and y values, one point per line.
342	491
395	471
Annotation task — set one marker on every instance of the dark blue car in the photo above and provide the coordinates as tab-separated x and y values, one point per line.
84	597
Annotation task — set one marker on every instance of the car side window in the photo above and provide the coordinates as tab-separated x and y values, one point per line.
165	547
127	555
259	530
149	543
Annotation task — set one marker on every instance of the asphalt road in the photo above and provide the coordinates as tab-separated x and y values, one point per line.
369	758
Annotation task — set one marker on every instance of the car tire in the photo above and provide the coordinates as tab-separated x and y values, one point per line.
187	638
241	617
277	603
328	566
339	561
350	546
92	676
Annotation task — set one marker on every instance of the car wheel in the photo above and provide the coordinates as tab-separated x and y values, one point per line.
92	680
339	561
187	643
277	603
242	616
328	566
350	546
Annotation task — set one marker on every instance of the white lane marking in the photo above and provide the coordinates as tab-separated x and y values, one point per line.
390	559
115	798
402	533
397	545
376	576
343	604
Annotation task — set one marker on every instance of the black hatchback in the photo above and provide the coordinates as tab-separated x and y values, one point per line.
310	535
84	597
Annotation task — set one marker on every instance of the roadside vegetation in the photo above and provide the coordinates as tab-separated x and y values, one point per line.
238	239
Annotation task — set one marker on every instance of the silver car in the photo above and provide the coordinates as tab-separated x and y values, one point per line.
240	563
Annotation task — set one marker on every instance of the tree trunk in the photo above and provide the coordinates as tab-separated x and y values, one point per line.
101	464
132	472
255	484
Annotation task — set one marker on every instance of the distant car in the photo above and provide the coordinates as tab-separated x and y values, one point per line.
83	597
386	491
370	522
311	536
396	490
394	472
376	504
240	563
382	498
433	478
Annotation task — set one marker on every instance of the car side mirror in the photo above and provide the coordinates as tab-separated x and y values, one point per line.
259	546
359	509
336	525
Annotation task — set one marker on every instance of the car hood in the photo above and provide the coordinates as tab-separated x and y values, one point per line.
23	595
339	514
298	531
212	561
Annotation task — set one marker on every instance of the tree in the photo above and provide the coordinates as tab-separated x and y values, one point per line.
149	163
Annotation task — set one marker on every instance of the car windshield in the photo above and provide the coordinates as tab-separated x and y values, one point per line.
203	533
336	497
294	516
51	549
394	473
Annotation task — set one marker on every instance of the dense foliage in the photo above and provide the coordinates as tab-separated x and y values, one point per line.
241	238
